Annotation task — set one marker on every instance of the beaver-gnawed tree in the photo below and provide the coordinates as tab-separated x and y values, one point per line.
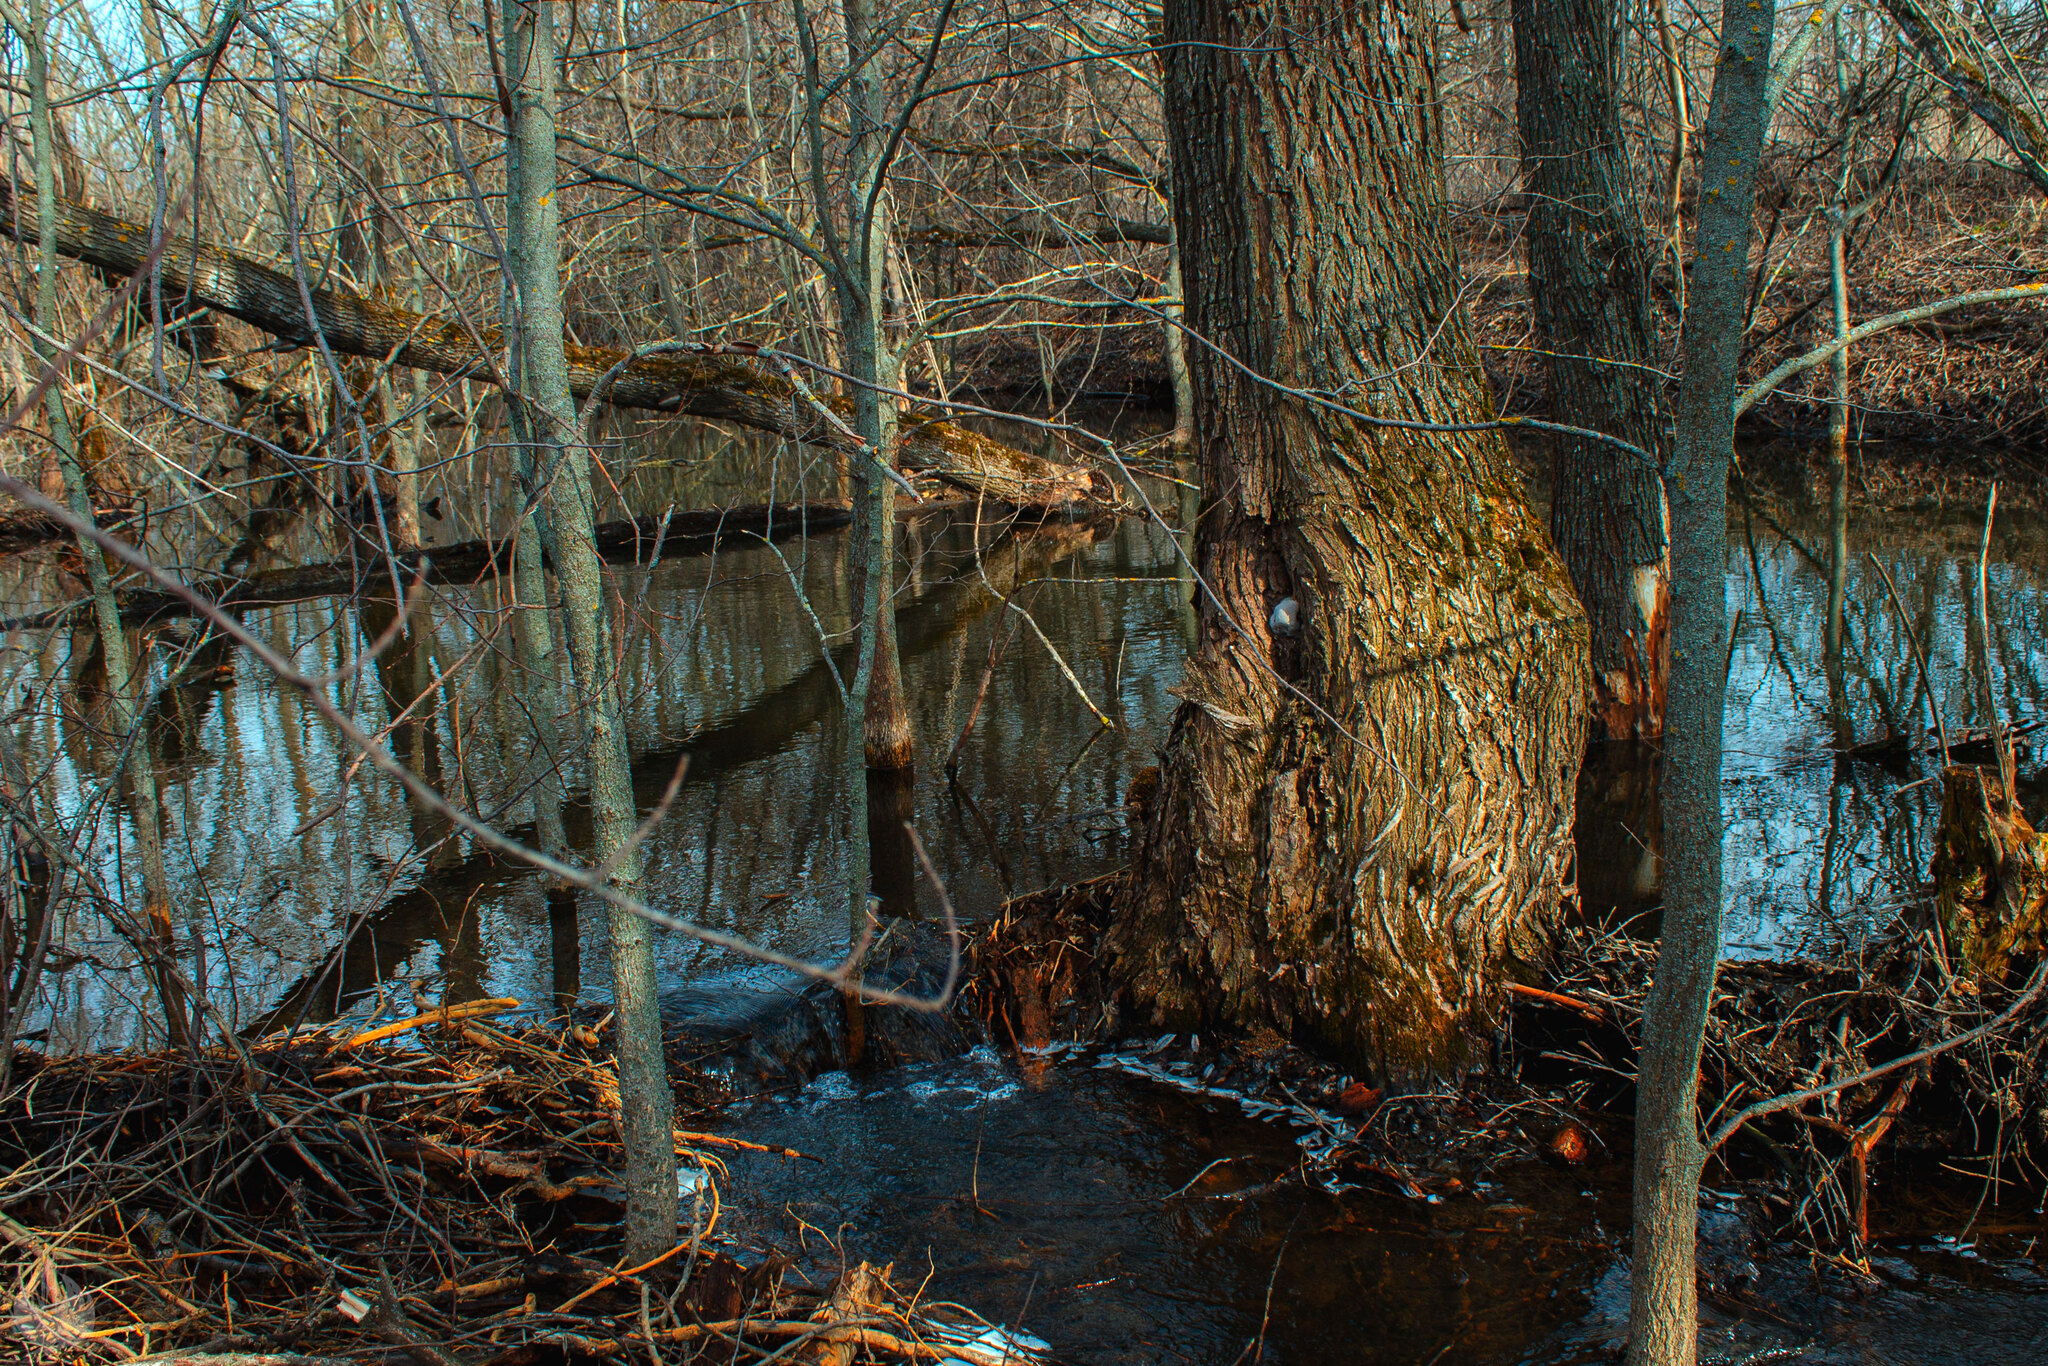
1359	825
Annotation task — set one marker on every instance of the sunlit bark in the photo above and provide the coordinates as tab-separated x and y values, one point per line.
1360	827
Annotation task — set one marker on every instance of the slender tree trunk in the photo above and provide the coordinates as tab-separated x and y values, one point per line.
1664	1307
1362	824
1589	277
1681	128
533	633
1838	481
1177	352
646	1100
391	464
887	742
123	705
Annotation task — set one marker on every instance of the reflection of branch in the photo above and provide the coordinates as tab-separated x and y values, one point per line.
1919	653
424	792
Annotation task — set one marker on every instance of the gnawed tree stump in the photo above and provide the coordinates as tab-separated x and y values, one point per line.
1990	872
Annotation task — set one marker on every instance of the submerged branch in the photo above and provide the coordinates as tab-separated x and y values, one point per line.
688	533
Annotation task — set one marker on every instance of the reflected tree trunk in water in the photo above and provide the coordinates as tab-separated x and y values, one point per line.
1365	818
565	943
892	874
646	1099
1589	279
405	675
1669	1156
1618	834
892	862
124	689
1838	488
24	900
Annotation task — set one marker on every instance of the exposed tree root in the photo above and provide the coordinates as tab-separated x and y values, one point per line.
1990	872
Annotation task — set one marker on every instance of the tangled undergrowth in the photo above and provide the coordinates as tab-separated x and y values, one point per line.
436	1187
1886	1047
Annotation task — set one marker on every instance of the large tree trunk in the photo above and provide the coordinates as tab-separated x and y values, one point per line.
1589	278
727	388
1357	828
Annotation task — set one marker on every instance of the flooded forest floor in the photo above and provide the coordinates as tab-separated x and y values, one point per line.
405	1149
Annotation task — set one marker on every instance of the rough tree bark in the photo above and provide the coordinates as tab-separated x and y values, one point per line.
727	388
1589	278
1664	1298
1360	827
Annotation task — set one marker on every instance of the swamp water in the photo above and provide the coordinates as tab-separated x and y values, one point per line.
1073	1202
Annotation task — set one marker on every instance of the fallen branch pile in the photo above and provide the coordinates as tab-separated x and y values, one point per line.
1811	1064
437	1189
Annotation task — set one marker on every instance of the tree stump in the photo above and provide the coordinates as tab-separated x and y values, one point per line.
1990	872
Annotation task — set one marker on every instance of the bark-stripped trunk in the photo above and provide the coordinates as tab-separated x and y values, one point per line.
1589	278
647	1123
728	388
1357	828
1838	481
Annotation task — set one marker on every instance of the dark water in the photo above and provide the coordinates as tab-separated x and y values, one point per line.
1061	1203
1048	1198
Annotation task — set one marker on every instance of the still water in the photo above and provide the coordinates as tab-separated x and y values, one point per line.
1048	1197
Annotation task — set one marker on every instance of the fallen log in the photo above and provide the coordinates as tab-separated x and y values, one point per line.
687	533
726	388
20	530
